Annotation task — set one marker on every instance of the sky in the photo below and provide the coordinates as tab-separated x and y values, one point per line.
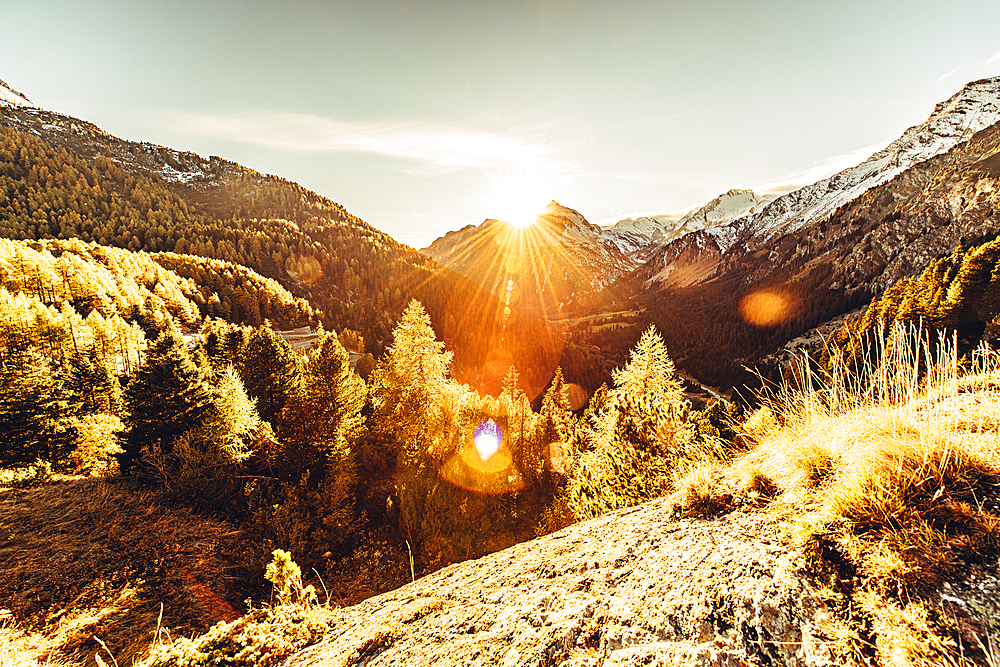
424	117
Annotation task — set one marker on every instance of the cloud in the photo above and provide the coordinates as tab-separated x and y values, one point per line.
946	75
442	147
822	169
995	58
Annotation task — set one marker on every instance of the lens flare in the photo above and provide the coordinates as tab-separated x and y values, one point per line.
484	463
304	269
765	309
577	396
487	438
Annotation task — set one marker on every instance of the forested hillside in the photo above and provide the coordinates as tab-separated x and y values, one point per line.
62	178
958	294
762	299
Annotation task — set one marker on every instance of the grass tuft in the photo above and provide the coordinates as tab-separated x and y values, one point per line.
893	472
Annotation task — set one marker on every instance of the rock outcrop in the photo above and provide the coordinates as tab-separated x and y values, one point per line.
635	587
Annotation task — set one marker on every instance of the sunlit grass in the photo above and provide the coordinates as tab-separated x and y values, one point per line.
889	475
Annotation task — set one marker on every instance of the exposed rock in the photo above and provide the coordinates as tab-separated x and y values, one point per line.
645	234
634	587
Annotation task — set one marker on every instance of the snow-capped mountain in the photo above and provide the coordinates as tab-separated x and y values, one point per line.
11	97
975	107
637	234
727	297
953	122
631	234
560	259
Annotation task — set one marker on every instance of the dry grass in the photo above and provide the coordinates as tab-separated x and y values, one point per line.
261	637
893	475
89	557
19	648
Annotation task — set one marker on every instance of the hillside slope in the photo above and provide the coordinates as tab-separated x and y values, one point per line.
748	287
61	177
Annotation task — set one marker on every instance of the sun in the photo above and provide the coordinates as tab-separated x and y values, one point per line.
519	199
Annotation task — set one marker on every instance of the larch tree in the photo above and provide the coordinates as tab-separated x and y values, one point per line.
638	437
36	411
168	395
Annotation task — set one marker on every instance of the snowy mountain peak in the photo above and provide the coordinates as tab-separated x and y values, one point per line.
974	108
9	96
632	234
723	209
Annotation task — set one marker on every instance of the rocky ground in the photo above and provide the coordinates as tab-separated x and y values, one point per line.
634	587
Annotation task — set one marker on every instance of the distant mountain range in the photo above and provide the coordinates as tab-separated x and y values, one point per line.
812	254
818	251
634	234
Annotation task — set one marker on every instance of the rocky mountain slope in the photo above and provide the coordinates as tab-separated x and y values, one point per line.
725	297
630	588
638	234
952	123
10	97
559	260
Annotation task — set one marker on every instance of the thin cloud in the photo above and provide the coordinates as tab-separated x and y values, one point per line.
821	170
439	146
995	58
946	75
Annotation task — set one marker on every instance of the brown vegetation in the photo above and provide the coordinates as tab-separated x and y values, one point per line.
86	557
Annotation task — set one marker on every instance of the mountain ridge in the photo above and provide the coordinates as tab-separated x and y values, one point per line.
142	196
560	259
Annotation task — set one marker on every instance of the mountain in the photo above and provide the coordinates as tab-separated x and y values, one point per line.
748	287
632	234
10	97
61	177
953	122
559	260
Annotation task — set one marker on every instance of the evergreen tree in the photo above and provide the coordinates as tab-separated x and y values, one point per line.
637	439
410	392
320	427
94	383
168	395
556	423
271	372
36	411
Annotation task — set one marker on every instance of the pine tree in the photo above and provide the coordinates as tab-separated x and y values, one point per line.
556	422
168	395
36	411
320	427
94	383
271	372
637	438
410	392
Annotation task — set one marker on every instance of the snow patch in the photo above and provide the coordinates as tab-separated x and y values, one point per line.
9	96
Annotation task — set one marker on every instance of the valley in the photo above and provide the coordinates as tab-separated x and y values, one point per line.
758	431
